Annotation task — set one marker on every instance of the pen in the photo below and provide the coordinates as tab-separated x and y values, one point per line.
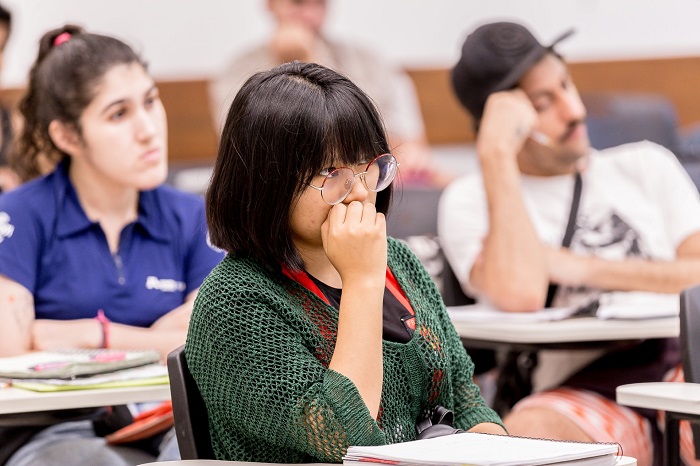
48	365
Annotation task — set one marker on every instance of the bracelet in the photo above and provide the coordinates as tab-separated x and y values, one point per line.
104	322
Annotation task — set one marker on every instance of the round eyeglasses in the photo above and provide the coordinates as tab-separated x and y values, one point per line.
338	183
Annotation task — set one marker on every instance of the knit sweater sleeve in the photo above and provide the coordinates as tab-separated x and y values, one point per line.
266	393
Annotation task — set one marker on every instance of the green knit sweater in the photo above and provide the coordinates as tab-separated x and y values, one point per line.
259	345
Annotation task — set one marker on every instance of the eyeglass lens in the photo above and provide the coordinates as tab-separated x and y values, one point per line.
378	176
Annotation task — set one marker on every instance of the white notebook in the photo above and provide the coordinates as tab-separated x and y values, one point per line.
622	305
476	449
74	363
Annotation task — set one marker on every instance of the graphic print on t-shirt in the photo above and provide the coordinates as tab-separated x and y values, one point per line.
608	236
6	228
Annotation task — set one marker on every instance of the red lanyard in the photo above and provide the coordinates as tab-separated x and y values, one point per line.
391	283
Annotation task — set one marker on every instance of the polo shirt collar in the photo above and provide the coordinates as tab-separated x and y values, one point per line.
71	218
151	216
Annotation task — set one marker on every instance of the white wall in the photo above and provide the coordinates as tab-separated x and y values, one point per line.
194	38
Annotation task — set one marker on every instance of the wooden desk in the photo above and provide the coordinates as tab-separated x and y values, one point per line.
679	400
15	400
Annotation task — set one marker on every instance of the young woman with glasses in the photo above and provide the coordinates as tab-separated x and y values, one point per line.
316	332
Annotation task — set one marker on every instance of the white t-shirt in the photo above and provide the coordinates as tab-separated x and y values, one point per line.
636	201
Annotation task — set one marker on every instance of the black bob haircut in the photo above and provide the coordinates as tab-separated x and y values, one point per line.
284	126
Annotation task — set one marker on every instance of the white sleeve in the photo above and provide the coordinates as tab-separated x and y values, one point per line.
675	192
462	225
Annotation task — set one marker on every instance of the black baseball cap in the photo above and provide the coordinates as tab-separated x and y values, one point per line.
494	58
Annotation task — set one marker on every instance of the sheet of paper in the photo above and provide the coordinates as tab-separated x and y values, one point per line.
155	374
68	364
622	305
486	450
482	313
638	305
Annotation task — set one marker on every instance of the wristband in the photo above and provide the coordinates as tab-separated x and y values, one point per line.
104	323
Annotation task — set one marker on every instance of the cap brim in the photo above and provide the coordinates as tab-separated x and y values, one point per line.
512	78
565	35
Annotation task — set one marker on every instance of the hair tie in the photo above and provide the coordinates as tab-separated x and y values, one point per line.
61	38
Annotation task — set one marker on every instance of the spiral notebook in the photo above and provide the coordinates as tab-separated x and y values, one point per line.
72	364
475	449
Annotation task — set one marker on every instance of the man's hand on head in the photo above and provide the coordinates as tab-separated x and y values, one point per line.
507	122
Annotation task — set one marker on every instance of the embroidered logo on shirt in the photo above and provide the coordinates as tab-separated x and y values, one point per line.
6	228
164	284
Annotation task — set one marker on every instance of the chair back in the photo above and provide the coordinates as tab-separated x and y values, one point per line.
414	212
690	333
189	411
451	291
690	345
616	118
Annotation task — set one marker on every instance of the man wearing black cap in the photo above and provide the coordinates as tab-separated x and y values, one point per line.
548	220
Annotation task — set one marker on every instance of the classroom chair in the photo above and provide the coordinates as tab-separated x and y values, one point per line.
690	347
616	118
191	419
413	212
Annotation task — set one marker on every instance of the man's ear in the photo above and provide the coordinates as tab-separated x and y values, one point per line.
65	137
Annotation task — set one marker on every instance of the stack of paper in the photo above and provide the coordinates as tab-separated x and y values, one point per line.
83	369
623	305
70	364
638	305
483	313
154	374
485	450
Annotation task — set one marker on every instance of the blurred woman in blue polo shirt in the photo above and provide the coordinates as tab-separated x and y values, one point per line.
8	178
97	253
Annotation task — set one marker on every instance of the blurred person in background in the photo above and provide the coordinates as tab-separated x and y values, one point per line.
549	221
8	178
96	253
299	35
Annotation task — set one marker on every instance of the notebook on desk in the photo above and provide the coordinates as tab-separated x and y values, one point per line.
476	449
72	364
620	305
152	374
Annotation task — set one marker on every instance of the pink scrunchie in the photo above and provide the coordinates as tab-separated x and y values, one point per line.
61	38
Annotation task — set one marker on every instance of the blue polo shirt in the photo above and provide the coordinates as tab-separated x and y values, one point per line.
48	245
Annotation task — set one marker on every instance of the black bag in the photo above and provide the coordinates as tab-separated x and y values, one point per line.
436	424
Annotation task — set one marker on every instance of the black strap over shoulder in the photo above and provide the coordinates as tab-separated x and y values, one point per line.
569	233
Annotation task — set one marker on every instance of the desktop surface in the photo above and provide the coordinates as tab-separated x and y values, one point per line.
15	400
